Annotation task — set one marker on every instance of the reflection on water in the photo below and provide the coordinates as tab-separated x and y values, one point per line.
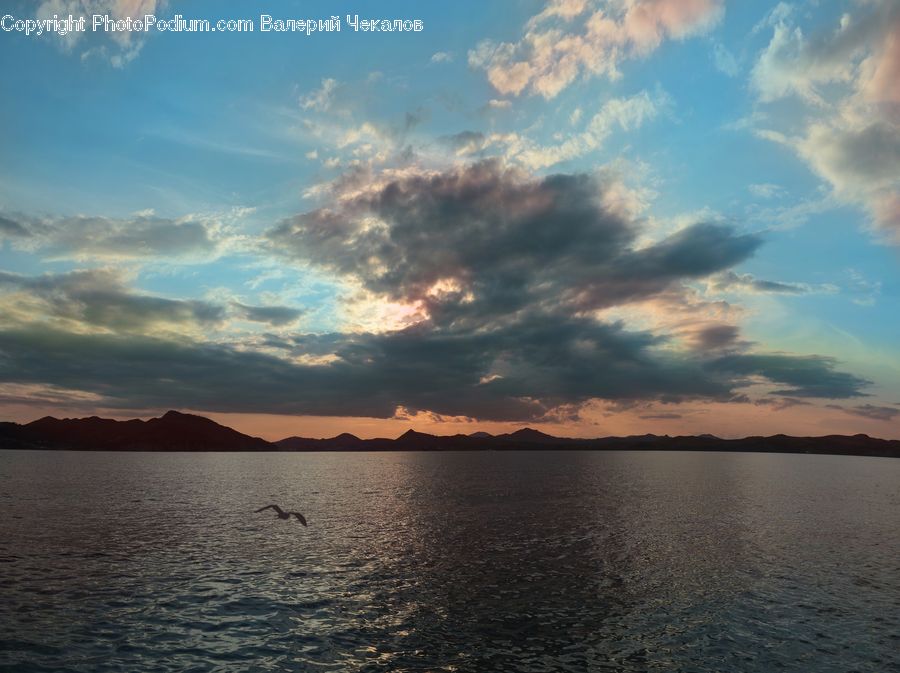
488	562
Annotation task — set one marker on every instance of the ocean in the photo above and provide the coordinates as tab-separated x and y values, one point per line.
482	561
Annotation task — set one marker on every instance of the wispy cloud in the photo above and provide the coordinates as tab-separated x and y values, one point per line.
730	281
118	48
615	115
91	237
848	79
871	411
555	49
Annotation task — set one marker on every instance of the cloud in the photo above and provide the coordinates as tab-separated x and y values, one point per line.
322	98
92	300
545	364
854	159
465	143
119	48
483	239
358	143
848	78
29	394
765	190
564	9
502	276
714	337
415	118
864	291
553	52
778	14
442	57
369	375
335	124
805	376
790	65
862	52
724	60
10	228
523	371
624	114
99	299
277	316
141	236
782	403
874	412
729	281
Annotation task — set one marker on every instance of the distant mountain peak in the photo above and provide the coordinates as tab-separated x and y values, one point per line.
530	432
174	431
172	415
531	436
181	419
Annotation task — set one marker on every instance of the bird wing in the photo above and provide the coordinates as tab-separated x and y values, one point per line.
300	517
275	507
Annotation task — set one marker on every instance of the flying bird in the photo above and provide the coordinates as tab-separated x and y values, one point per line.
282	514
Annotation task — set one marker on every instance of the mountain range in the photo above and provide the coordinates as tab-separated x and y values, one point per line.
176	431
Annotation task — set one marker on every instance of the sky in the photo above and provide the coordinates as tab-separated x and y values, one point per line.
593	217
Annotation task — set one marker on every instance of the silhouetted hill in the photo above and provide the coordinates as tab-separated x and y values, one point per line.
172	432
529	439
530	436
343	442
184	432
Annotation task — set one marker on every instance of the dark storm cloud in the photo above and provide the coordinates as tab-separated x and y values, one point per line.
99	298
272	315
517	373
524	368
507	271
505	240
524	371
805	376
139	236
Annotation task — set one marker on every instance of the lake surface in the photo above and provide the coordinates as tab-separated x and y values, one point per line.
483	562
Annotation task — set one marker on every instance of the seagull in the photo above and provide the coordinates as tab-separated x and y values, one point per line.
282	514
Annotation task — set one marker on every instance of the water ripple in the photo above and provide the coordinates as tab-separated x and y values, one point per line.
491	562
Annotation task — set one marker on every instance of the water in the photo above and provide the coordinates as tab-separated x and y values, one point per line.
485	562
